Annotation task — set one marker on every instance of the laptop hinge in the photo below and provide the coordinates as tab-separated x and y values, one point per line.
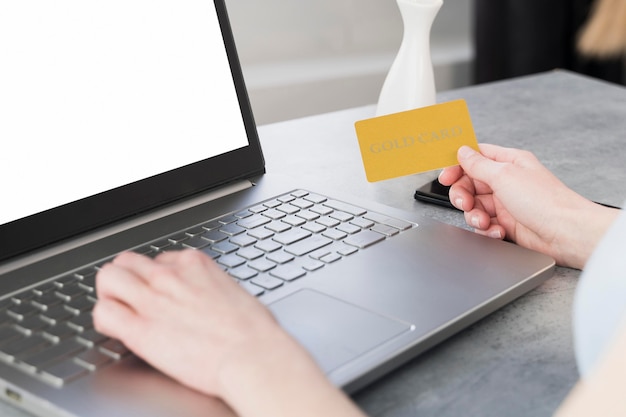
57	249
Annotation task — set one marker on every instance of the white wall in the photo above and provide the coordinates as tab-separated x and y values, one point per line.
301	58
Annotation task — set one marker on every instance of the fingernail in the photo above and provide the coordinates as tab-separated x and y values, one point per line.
459	203
495	234
476	222
465	152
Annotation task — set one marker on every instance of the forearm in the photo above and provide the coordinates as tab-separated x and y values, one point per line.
276	377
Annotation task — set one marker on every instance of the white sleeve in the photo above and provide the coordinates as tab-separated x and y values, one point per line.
600	300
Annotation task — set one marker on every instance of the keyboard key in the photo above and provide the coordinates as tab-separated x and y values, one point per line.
54	353
261	233
243	273
211	253
56	314
92	359
215	236
341	216
280	257
255	290
334	234
301	203
262	265
160	244
314	227
385	229
21	347
250	253
224	247
114	348
294	220
196	242
31	324
63	372
362	223
348	208
231	261
277	227
274	214
42	289
299	193
327	221
266	282
344	249
308	245
315	198
268	245
254	221
81	323
273	203
91	337
58	332
288	272
46	300
243	240
321	210
228	219
9	334
389	221
310	264
364	239
232	229
348	228
331	257
308	215
291	236
21	311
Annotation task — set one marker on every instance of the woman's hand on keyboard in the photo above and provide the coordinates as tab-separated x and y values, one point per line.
185	316
508	193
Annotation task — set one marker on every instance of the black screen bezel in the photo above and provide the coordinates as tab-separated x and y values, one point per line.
60	223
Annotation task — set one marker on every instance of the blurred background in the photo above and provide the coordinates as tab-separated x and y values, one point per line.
304	58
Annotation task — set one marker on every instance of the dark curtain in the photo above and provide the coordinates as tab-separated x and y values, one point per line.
520	37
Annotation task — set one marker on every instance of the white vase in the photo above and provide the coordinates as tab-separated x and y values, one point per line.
410	82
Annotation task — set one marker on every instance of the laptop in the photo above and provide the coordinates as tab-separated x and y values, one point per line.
127	126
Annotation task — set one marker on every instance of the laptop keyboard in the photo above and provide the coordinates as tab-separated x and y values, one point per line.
47	331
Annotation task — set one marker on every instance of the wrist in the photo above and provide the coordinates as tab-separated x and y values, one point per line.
584	227
275	376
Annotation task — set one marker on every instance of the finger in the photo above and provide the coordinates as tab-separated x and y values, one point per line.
461	194
486	203
477	218
140	265
502	154
479	167
116	320
450	175
494	231
118	283
197	266
160	274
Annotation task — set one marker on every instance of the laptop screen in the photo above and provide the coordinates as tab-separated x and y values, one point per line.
98	95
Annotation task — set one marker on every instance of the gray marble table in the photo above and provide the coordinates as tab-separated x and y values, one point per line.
518	361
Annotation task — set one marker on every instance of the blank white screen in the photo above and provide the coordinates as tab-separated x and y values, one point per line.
97	94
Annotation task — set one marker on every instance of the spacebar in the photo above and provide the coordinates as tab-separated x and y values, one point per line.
308	245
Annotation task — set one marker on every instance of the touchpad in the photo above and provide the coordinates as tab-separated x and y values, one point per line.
333	331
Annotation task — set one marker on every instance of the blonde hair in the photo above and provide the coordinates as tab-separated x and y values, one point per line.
604	33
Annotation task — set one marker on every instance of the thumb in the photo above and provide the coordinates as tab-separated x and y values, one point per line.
477	166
